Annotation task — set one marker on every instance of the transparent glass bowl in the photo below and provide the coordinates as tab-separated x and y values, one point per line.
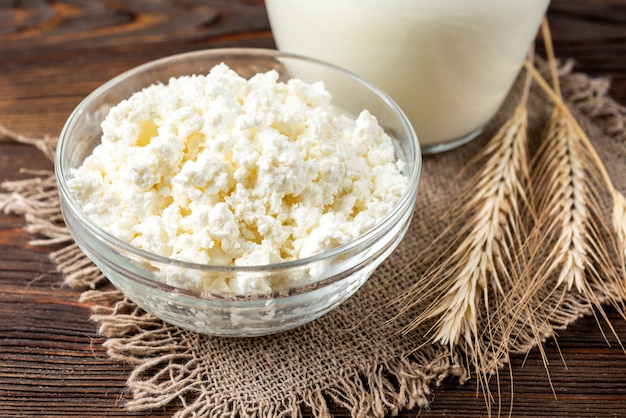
335	275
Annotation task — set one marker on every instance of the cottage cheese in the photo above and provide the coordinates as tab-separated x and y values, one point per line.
217	169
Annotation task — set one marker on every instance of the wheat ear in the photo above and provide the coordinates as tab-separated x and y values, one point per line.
479	252
618	199
602	181
481	259
568	249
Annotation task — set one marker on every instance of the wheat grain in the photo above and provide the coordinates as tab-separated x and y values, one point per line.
619	219
619	201
600	184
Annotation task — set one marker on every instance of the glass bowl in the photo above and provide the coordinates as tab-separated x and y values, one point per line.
335	275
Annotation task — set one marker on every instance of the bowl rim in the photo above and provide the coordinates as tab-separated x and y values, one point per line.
407	198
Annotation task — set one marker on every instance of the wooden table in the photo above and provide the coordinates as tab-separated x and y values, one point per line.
52	54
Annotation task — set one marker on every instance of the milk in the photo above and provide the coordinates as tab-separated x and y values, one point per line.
449	64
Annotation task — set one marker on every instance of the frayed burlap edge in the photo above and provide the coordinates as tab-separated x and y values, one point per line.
166	370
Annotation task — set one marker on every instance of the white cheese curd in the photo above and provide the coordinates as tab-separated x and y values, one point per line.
217	169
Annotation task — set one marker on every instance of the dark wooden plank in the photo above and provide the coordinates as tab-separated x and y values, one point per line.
593	32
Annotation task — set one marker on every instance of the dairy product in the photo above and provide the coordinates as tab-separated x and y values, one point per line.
448	63
217	169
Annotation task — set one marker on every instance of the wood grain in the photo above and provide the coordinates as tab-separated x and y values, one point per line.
593	32
53	53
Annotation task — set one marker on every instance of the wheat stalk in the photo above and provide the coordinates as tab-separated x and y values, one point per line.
570	184
592	161
461	288
618	199
568	249
485	245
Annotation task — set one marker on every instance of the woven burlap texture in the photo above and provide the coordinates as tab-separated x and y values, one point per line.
353	356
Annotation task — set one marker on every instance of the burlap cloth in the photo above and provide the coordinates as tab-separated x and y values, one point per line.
353	356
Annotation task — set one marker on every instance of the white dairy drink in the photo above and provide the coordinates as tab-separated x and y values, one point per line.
449	64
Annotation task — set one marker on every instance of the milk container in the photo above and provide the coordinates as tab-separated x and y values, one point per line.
449	64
